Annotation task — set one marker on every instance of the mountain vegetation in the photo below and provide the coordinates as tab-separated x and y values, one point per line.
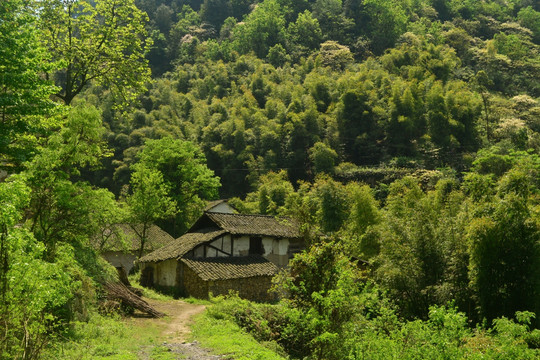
403	135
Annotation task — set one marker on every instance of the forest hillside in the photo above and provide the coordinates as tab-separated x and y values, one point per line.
403	135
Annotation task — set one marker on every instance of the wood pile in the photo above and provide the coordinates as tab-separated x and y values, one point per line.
122	276
119	291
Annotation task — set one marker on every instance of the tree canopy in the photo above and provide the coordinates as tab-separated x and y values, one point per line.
403	136
103	40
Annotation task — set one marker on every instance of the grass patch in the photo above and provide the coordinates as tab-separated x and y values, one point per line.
195	301
153	294
224	337
107	338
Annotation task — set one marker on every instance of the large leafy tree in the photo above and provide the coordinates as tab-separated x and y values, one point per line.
148	203
183	168
104	40
63	210
30	288
505	250
422	258
305	33
262	29
24	95
46	222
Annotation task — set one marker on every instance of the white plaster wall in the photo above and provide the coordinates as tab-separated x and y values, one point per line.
222	208
275	246
269	246
227	243
199	251
216	243
241	246
211	252
165	274
283	247
223	243
118	258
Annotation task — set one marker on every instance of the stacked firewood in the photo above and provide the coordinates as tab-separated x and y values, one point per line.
120	292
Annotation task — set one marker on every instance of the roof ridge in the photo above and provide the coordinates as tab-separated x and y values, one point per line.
252	215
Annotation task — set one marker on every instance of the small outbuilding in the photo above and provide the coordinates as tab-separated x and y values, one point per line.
121	247
223	252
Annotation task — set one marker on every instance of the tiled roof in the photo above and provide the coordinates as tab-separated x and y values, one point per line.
156	238
182	245
258	225
224	268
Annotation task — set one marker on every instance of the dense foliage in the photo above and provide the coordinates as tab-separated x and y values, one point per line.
302	86
403	135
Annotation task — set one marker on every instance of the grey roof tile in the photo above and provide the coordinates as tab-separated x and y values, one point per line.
225	268
179	247
259	225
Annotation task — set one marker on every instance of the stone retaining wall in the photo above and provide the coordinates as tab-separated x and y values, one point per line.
253	288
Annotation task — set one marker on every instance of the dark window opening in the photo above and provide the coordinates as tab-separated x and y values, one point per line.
255	246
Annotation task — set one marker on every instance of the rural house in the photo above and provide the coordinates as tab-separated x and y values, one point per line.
121	247
223	252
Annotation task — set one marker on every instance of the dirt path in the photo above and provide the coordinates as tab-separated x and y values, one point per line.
175	330
179	314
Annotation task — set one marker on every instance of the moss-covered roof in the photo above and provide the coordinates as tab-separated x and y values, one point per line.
127	238
254	225
225	268
179	247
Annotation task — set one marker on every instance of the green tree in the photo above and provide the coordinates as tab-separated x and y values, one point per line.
305	33
164	18
188	20
109	218
334	24
215	12
185	174
261	29
103	41
335	55
406	123
47	255
423	255
333	201
358	130
239	8
31	290
331	298
505	252
24	94
63	210
387	21
148	202
363	215
323	158
438	123
277	55
270	198
530	18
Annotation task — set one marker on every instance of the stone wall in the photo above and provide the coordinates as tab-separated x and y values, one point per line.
253	288
192	284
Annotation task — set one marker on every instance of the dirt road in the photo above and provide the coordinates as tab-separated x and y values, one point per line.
175	330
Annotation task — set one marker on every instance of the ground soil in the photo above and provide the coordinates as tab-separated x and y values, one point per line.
175	331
